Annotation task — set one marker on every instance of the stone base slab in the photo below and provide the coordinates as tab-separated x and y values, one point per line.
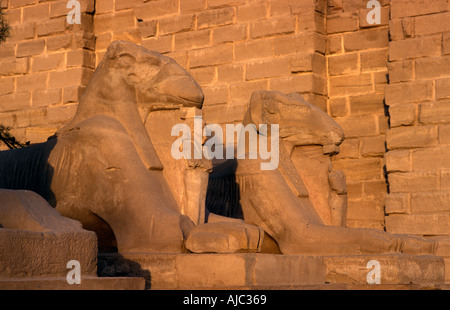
247	271
340	287
29	254
87	283
191	271
394	269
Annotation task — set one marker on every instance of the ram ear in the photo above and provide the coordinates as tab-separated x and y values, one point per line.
118	55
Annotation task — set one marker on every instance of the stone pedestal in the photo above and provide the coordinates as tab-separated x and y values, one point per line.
28	254
394	269
87	283
31	260
195	271
252	271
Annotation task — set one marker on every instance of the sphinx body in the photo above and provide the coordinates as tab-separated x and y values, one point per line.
102	169
301	204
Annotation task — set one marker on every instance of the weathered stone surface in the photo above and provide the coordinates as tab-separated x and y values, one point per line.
28	254
427	46
418	72
343	64
416	7
394	269
420	224
191	271
430	159
401	71
87	283
409	92
351	84
397	203
37	241
404	182
365	39
240	271
342	23
431	113
436	202
26	210
225	237
412	137
362	169
402	114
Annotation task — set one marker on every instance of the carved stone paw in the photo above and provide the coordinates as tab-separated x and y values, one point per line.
225	237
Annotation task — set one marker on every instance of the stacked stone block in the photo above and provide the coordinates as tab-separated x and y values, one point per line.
43	66
357	71
419	103
231	47
418	97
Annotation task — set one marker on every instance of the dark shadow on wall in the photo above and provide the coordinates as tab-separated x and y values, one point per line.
27	168
222	196
386	113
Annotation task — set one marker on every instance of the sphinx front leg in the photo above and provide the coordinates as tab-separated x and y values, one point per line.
225	237
144	215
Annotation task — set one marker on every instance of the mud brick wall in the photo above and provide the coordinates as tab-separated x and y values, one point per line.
418	96
43	66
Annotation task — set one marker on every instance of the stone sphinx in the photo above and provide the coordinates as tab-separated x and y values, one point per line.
102	169
302	203
110	169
